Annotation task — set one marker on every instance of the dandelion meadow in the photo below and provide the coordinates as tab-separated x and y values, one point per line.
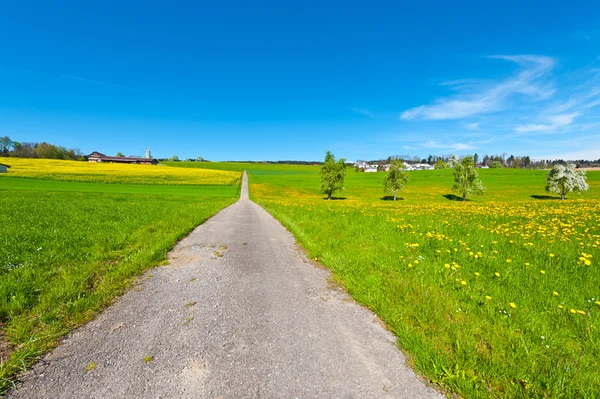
68	248
494	297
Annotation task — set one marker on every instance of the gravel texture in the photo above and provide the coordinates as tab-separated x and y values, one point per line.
239	312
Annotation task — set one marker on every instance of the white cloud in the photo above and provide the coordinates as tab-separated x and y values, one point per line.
364	112
447	146
472	126
486	97
555	122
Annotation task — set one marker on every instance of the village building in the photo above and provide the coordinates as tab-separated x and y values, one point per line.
101	158
4	168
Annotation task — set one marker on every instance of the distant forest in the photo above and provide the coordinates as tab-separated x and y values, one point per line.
10	148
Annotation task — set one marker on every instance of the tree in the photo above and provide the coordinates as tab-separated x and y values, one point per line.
120	155
466	181
496	164
174	158
476	159
563	179
395	178
332	174
6	144
440	164
200	159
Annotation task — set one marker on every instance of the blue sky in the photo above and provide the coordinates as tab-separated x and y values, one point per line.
288	80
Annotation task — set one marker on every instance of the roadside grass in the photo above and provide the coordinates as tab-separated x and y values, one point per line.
498	297
77	171
67	249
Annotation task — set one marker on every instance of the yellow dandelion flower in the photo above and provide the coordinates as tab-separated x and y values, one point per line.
447	266
497	274
477	274
555	293
463	282
512	305
543	271
597	303
561	307
587	262
572	311
489	298
508	260
552	255
581	312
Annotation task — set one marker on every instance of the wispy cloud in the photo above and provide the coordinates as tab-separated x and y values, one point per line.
555	122
110	84
363	112
434	144
474	98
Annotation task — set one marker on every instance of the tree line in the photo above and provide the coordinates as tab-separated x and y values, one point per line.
11	148
492	161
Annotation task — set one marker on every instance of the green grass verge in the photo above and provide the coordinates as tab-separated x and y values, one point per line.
67	249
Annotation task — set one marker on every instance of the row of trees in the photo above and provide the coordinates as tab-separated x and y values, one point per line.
10	148
561	179
492	161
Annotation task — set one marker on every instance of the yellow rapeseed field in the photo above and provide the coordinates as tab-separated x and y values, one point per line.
50	169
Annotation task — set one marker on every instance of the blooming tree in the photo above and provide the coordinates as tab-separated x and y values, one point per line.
563	179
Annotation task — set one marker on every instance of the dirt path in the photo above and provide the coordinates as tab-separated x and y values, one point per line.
239	313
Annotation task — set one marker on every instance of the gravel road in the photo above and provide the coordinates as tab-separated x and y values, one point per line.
239	312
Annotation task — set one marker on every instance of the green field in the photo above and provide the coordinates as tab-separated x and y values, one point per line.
68	248
494	297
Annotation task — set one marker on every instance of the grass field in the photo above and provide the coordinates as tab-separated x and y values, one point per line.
68	248
498	297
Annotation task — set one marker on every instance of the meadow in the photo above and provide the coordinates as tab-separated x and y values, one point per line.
70	244
496	297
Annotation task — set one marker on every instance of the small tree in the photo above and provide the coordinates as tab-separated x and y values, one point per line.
440	164
332	174
563	179
466	181
395	178
120	154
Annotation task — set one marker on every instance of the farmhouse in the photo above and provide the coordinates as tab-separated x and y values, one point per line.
98	157
4	168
